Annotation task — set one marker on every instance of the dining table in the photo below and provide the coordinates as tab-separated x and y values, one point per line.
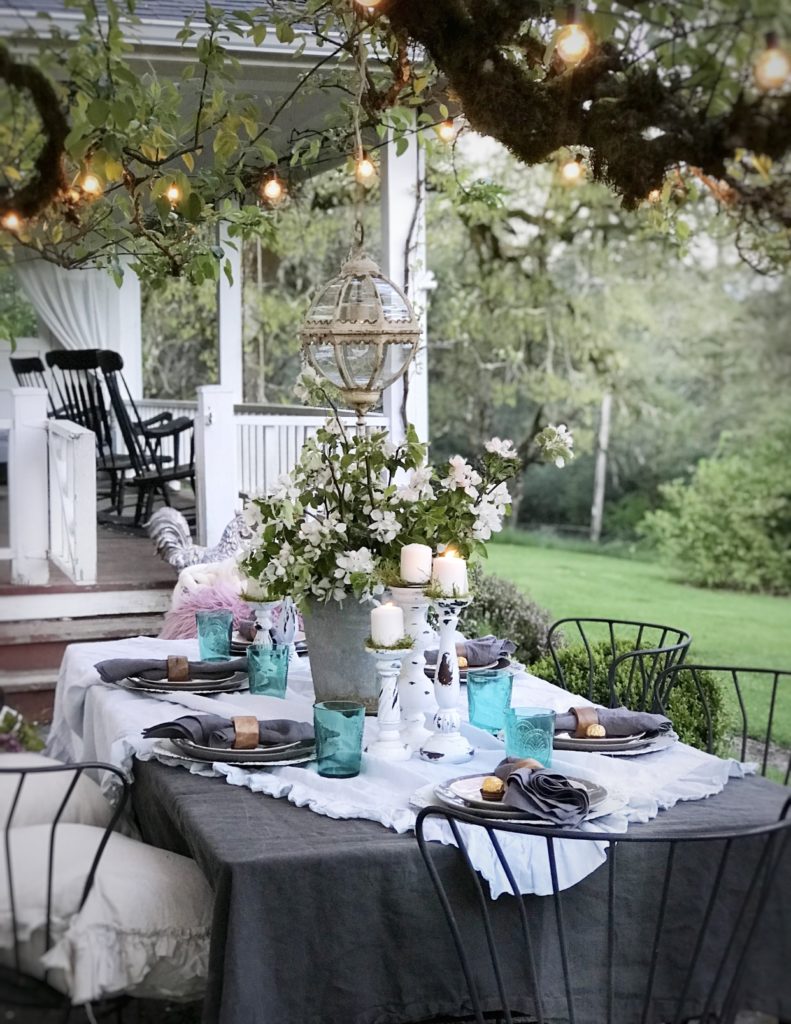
324	912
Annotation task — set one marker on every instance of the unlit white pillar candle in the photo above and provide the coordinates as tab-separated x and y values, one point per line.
387	625
416	563
450	574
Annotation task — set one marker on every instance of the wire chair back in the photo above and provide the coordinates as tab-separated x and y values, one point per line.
757	692
632	673
526	954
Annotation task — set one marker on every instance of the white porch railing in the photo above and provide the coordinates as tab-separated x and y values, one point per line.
28	500
72	500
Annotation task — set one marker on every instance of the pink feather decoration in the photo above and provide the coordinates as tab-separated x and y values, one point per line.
180	621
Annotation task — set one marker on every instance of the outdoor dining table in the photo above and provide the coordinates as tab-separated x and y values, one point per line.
326	921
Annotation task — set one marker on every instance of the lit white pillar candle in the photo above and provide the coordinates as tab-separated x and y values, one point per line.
387	625
449	572
416	563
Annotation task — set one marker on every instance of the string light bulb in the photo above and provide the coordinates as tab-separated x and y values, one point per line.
446	130
573	43
11	221
273	188
773	67
364	169
654	195
90	185
367	3
573	171
173	194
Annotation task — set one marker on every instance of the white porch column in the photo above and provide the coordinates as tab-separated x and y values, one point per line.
126	329
229	317
217	498
404	261
28	492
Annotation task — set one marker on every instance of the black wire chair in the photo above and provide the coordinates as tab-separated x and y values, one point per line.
631	675
18	987
754	685
523	955
153	469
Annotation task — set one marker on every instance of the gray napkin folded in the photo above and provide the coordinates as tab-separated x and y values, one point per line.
619	722
482	651
217	731
156	669
542	792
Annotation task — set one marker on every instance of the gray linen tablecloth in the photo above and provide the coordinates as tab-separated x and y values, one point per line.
319	921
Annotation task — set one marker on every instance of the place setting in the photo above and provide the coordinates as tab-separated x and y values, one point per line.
241	740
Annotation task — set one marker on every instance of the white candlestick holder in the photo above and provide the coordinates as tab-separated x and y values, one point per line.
389	744
415	689
447	743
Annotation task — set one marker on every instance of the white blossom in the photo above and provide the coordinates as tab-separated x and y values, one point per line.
384	525
360	560
462	476
489	520
307	382
310	530
556	444
505	449
252	516
286	490
418	486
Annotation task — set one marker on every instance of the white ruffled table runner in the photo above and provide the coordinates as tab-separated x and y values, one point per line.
97	721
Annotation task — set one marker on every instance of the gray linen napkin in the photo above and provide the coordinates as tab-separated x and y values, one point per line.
542	792
217	731
619	722
482	651
156	669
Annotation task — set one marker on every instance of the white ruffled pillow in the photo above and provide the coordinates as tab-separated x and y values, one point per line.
42	794
144	929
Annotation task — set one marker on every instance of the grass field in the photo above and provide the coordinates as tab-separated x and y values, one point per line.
727	627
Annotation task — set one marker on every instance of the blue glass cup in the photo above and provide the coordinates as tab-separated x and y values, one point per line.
338	725
530	732
214	634
489	697
267	668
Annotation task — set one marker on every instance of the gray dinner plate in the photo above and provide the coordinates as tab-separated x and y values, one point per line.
605	745
232	684
488	809
283	763
259	755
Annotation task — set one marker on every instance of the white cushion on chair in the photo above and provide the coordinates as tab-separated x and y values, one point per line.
144	929
43	793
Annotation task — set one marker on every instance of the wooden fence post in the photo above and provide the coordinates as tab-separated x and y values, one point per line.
217	496
28	491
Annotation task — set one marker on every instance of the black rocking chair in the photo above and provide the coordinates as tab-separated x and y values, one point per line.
651	650
29	373
153	469
561	956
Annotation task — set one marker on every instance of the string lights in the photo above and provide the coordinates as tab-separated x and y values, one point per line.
572	42
364	169
573	171
90	185
11	221
654	195
173	194
773	67
446	130
273	188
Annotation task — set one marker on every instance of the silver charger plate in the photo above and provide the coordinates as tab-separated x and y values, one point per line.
284	763
564	741
488	809
238	681
650	745
468	788
429	669
259	755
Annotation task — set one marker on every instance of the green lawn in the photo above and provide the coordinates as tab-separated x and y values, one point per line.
727	627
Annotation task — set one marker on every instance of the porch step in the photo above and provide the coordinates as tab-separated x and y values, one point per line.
31	653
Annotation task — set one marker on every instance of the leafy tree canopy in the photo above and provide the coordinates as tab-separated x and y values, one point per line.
101	155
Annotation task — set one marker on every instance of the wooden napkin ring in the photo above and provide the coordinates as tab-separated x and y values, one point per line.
585	717
245	729
178	669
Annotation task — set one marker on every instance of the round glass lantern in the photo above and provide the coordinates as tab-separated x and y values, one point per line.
360	333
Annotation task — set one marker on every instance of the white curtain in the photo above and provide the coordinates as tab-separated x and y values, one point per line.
78	306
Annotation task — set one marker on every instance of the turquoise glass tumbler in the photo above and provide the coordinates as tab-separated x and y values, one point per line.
214	634
489	697
530	732
267	668
338	725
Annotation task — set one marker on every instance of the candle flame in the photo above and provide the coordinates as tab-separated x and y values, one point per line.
449	553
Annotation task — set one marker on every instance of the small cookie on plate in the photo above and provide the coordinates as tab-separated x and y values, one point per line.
595	732
492	788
